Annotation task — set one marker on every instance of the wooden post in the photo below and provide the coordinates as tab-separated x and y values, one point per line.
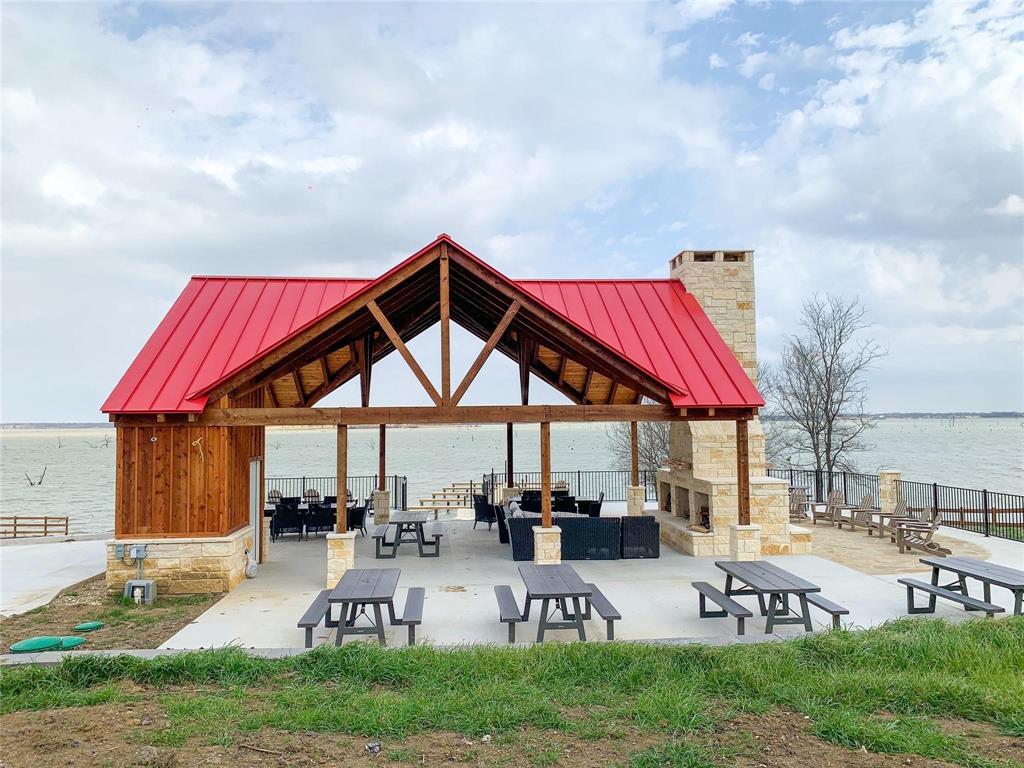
382	466
634	458
446	368
341	517
545	474
742	472
509	456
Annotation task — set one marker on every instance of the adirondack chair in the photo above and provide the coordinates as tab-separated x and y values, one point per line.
833	509
861	516
918	535
798	505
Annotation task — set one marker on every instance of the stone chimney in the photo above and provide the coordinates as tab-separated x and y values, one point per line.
723	284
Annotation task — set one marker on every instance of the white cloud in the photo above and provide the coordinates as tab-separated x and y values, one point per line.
1011	205
767	81
71	186
717	62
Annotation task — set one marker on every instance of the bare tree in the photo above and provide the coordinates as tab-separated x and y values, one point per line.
817	390
651	442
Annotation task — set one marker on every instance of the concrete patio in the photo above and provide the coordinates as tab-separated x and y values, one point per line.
654	596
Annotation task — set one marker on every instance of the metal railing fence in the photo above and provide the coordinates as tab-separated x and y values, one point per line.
818	485
361	487
581	483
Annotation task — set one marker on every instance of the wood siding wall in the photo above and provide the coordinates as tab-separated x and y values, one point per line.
189	481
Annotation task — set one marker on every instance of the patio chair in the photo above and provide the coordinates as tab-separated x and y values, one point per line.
330	499
286	519
590	507
273	496
500	513
798	505
289	501
563	504
833	511
530	501
482	511
918	535
357	518
320	518
862	516
311	496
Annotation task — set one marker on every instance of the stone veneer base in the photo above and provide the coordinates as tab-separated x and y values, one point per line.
547	545
185	566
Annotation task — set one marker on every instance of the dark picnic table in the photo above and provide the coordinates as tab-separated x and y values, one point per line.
409	529
989	574
559	584
766	580
359	588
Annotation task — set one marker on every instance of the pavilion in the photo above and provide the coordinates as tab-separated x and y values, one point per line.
236	354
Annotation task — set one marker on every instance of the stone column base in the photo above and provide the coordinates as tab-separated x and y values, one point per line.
547	545
635	500
265	540
341	555
744	542
508	493
888	489
183	566
381	507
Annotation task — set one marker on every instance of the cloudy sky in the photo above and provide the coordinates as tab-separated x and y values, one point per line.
862	149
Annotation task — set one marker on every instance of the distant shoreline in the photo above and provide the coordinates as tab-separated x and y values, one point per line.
893	415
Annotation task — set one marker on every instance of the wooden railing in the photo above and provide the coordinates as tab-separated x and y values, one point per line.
23	526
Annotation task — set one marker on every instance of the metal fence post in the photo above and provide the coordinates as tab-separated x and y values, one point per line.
935	500
984	506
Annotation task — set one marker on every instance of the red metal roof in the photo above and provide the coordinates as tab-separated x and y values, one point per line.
218	325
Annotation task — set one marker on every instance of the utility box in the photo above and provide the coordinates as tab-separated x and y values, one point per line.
146	588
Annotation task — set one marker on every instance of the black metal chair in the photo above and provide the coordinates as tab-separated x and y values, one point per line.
330	499
530	501
320	518
590	507
482	511
289	501
286	519
357	518
563	504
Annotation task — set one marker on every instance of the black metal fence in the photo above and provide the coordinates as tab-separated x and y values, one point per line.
361	487
818	485
981	511
581	483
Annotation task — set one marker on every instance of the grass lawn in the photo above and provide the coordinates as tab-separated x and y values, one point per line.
915	692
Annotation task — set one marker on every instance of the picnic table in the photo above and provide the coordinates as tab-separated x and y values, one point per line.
766	580
559	584
359	588
988	574
409	528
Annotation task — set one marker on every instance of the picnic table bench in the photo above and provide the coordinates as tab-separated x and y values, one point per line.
408	527
989	574
357	589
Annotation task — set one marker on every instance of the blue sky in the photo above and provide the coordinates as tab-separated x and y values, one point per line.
866	149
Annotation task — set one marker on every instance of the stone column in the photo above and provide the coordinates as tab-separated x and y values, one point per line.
547	545
381	507
888	489
265	539
635	500
744	542
341	555
508	493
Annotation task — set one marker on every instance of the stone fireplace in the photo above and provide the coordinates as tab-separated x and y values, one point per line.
697	484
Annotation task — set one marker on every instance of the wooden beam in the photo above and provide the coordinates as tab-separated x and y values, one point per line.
612	391
527	350
464	414
271	396
298	386
446	345
341	518
586	385
561	369
324	369
743	471
510	455
340	376
396	340
545	474
364	349
634	456
488	347
382	464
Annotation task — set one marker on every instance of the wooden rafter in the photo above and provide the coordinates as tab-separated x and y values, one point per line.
324	368
561	369
340	376
446	362
271	396
481	358
585	392
298	386
612	391
527	351
396	340
363	350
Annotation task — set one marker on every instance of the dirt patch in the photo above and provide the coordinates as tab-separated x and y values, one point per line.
784	740
125	625
986	740
875	556
128	735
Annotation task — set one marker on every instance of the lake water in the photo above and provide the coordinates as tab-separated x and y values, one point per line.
79	481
